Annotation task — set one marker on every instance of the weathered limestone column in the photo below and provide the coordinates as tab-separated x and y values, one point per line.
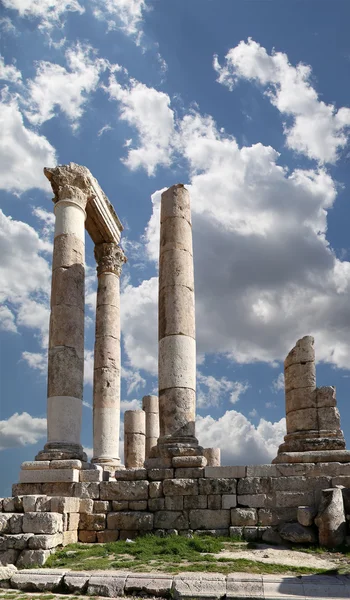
213	456
66	335
150	405
177	343
134	438
106	392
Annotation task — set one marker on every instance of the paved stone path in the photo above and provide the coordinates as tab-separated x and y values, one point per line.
45	584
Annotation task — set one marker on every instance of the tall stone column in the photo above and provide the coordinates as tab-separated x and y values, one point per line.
134	438
177	343
106	393
150	405
66	334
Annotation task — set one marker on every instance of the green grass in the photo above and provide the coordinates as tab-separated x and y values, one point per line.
171	554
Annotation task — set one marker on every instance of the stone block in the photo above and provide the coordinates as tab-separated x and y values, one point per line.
36	503
228	501
298	534
225	472
262	471
6	574
170	520
326	396
86	505
137	521
42	523
329	418
196	502
217	486
203	585
189	473
214	501
267	516
306	515
106	585
270	536
174	502
66	464
91	475
212	532
8	505
16	523
116	505
8	558
301	484
58	489
188	462
251	534
49	476
157	504
73	521
35	464
102	506
330	520
76	583
22	489
289	499
209	519
138	505
61	504
253	485
180	487
244	585
124	490
130	474
302	420
18	541
300	398
155	489
87	537
300	376
244	516
88	490
127	534
149	584
252	500
33	581
236	532
160	474
32	558
69	537
45	542
106	536
93	522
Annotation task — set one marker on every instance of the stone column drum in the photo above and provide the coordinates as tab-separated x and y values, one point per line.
106	392
213	456
176	328
150	405
134	438
66	335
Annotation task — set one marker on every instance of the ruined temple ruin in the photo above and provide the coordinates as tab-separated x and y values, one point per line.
169	482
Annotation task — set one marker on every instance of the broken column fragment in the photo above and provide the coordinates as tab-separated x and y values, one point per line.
150	405
134	438
312	418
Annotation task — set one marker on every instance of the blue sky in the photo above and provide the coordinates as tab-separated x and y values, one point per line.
247	104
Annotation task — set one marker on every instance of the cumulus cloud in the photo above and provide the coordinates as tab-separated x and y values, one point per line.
48	12
240	441
278	383
317	129
212	391
9	72
21	430
56	86
130	405
124	14
133	379
149	112
23	152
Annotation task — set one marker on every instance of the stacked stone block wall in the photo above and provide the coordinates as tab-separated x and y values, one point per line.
252	502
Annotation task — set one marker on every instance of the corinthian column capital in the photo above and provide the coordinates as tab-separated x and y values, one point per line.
110	258
70	183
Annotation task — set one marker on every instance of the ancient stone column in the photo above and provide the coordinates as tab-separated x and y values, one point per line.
213	456
66	335
150	405
177	343
134	438
106	392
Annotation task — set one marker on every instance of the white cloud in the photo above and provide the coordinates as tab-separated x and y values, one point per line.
318	130
48	12
9	72
130	405
278	383
23	152
88	367
240	441
55	86
126	14
213	392
148	111
134	380
21	430
36	360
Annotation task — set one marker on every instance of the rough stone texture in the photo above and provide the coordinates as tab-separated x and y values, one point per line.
87	537
209	519
294	532
32	558
149	584
110	586
330	520
150	405
124	490
45	542
306	515
6	574
65	505
49	475
244	516
33	581
136	521
213	456
199	585
48	523
88	490
217	486
180	487
76	583
134	438
170	520
94	522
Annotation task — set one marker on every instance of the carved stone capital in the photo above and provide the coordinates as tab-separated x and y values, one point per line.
70	182
110	258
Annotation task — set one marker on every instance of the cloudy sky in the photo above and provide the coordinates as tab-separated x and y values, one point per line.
246	103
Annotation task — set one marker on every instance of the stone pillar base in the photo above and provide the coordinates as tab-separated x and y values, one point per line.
181	452
62	451
320	456
106	462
